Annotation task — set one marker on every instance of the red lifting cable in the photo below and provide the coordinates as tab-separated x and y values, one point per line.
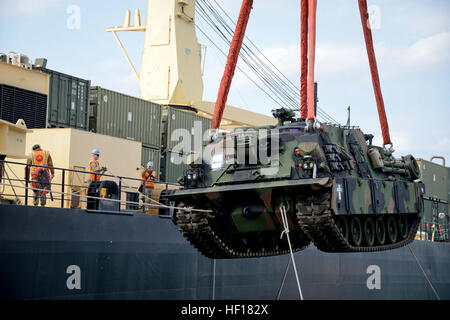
230	67
311	56
304	59
374	71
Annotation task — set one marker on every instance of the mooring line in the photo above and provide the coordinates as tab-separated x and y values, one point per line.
424	273
286	232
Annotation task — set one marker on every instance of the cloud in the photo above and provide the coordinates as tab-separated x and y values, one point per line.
26	7
421	18
424	52
337	60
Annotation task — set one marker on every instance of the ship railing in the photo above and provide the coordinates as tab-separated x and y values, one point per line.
433	231
74	195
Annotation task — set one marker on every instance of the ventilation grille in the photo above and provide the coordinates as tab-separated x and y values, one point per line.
16	103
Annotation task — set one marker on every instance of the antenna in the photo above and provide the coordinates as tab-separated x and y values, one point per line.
348	118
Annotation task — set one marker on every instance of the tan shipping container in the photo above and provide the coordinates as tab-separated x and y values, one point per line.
71	149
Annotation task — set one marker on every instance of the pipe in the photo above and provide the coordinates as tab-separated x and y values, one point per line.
126	55
438	157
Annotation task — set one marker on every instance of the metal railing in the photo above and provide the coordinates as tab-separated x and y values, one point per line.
77	190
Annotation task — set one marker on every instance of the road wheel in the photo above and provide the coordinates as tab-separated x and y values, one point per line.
392	229
369	231
356	231
342	225
380	231
403	228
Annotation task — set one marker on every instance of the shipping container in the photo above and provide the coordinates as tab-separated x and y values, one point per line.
154	155
436	216
119	115
68	104
72	150
448	189
179	119
171	169
17	103
435	177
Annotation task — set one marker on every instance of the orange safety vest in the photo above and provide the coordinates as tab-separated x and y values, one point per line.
149	178
93	176
39	157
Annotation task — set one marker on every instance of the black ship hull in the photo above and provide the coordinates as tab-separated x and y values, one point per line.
50	253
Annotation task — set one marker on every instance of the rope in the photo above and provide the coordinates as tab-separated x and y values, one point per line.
424	273
286	232
284	279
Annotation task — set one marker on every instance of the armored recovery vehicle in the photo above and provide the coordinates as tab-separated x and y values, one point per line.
338	189
318	182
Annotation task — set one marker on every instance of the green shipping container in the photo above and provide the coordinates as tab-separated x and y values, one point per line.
179	119
170	169
448	189
435	177
119	115
153	155
432	209
68	102
436	220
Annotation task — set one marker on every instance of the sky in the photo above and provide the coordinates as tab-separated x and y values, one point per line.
411	37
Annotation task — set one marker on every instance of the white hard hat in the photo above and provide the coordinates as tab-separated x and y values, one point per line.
150	164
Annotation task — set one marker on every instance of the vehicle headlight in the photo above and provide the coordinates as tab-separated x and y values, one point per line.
217	161
189	177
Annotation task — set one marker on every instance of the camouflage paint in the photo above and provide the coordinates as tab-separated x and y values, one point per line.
330	159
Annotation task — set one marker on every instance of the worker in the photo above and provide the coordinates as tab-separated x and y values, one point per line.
94	167
40	175
149	176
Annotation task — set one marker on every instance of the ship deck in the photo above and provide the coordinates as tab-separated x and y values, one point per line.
139	256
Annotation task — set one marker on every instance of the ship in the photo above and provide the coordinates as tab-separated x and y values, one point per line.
114	251
53	253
